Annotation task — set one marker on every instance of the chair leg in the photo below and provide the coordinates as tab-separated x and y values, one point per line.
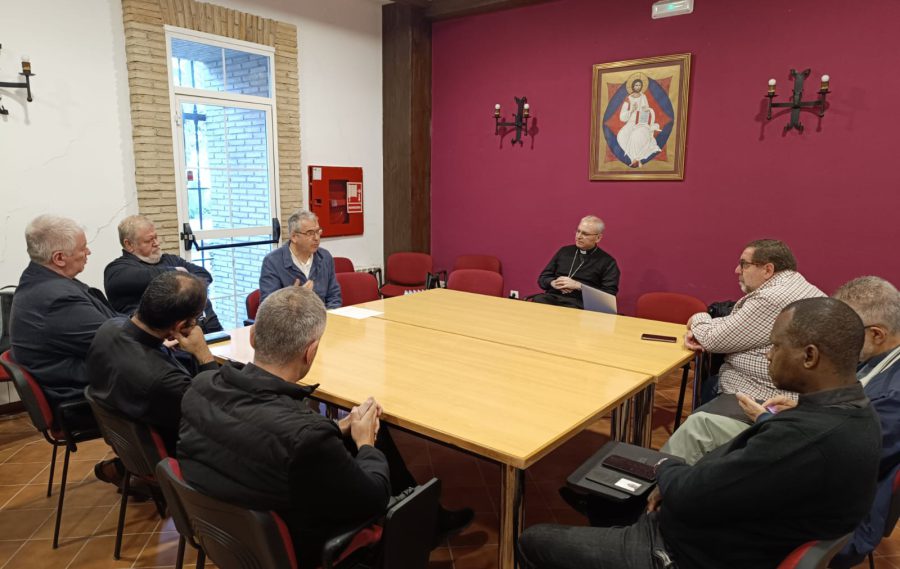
126	481
179	557
871	560
52	470
62	496
201	558
680	409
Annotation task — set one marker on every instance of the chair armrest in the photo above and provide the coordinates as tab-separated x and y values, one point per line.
337	546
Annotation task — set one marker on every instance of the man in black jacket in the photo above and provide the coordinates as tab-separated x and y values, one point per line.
581	263
806	473
248	437
54	315
126	278
133	372
54	318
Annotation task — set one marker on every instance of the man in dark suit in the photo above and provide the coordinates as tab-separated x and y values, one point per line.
55	316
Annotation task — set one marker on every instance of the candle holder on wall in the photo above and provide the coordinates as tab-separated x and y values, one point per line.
26	72
796	103
520	119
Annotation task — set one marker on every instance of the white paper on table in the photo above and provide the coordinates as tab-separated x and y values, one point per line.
354	312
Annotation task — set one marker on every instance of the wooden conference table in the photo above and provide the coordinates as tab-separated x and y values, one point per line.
508	381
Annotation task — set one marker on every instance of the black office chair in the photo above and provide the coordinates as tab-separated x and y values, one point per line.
238	538
139	447
816	554
55	431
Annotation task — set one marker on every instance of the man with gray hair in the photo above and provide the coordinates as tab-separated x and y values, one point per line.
126	278
301	262
248	437
54	319
54	315
581	263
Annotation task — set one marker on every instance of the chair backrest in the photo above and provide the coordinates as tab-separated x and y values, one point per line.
483	262
343	265
894	511
357	288
668	307
408	269
6	298
31	394
815	554
477	281
138	446
233	537
252	304
168	471
409	528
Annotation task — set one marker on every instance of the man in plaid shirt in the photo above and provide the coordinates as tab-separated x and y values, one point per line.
767	274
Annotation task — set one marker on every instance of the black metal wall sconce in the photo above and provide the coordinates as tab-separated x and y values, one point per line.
796	102
520	119
26	72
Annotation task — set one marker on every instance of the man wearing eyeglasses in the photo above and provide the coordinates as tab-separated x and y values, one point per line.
581	263
130	368
301	262
767	274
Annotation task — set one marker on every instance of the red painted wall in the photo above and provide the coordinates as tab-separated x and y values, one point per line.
832	193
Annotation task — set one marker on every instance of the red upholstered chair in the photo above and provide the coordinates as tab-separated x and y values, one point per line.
483	262
814	554
343	265
138	446
406	271
477	281
57	434
252	303
357	288
676	308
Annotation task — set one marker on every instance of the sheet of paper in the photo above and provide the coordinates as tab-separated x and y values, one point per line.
354	312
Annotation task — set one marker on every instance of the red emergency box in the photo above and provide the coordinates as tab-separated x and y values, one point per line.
336	196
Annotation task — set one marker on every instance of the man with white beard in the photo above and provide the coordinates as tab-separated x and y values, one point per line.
126	278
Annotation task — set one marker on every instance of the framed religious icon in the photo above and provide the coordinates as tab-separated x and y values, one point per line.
639	118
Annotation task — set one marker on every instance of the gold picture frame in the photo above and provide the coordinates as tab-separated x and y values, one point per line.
639	118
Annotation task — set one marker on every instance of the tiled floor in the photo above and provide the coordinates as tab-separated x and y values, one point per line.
89	520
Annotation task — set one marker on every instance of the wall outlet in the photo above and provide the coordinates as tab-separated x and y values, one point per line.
514	294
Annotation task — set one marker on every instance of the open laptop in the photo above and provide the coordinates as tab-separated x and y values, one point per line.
597	300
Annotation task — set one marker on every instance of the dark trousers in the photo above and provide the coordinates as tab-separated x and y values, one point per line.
569	300
401	478
638	546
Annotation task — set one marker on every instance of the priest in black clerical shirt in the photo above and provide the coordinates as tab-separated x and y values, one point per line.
132	371
581	263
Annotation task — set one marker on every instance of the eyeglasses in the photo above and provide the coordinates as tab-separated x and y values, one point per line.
744	264
581	233
311	233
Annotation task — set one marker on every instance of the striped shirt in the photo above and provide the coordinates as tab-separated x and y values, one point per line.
744	334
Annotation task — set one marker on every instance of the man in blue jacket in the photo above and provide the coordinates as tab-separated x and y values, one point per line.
301	262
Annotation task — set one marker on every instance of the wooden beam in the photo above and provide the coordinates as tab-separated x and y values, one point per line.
417	3
406	90
443	9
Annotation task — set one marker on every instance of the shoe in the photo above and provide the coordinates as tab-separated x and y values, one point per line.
577	501
110	471
450	522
